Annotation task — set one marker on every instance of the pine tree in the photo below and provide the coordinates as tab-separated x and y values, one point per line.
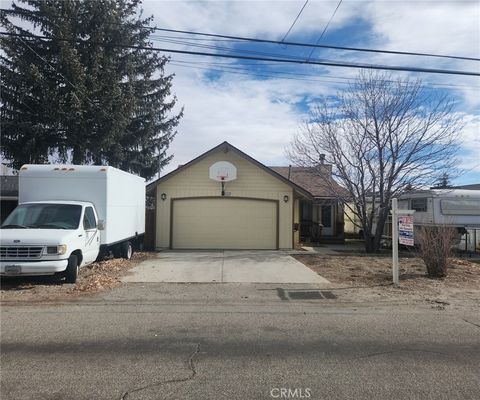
95	99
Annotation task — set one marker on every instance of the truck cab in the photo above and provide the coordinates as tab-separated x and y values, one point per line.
50	238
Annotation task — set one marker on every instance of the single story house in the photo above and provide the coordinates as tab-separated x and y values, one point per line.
225	199
322	216
8	194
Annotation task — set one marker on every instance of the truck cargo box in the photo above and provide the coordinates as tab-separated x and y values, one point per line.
118	197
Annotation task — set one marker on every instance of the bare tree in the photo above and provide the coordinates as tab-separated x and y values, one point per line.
381	135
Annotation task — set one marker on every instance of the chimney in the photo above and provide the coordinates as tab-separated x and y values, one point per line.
322	159
289	171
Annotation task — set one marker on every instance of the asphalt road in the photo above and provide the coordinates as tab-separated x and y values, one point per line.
234	341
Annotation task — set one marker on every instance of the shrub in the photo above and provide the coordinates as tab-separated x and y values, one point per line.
435	248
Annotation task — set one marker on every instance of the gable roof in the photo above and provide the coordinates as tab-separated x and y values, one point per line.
225	146
317	180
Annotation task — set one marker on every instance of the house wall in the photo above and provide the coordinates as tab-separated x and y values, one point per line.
296	220
251	182
351	221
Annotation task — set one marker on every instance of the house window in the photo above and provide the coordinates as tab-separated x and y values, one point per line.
419	205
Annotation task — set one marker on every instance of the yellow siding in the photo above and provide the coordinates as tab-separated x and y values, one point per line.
251	181
350	218
296	220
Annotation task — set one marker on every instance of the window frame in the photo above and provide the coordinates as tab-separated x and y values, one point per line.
85	217
418	208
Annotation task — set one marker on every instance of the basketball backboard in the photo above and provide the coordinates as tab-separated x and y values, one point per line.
223	171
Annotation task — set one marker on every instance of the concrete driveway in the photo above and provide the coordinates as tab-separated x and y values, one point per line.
224	266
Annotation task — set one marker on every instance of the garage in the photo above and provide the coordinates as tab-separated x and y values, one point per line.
224	223
223	199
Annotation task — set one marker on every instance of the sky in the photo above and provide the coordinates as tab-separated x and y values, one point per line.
258	107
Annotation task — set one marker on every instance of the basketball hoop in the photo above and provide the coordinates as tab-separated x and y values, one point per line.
223	171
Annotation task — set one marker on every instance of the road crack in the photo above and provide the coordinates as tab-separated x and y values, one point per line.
398	351
472	323
191	367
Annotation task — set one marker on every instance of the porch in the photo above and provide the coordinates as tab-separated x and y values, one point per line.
321	221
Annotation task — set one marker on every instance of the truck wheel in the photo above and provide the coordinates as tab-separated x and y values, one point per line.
127	250
71	273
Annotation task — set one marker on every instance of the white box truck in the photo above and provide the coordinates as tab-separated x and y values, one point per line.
69	216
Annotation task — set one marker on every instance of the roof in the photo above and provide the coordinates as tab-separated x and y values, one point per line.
9	186
317	180
67	171
442	193
227	146
473	186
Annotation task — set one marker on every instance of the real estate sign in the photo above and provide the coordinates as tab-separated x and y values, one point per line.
405	230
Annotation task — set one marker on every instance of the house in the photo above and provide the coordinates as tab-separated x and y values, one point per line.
321	219
8	194
253	207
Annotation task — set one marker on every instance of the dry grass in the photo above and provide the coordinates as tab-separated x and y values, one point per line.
374	276
93	278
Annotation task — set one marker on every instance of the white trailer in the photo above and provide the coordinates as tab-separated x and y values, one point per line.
458	208
81	212
453	207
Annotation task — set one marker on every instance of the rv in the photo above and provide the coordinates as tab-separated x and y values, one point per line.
457	208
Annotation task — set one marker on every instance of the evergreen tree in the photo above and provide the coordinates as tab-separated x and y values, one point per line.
95	96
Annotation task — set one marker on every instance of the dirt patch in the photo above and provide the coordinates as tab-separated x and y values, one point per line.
93	278
370	277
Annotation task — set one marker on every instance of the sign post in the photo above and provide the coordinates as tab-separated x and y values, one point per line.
402	230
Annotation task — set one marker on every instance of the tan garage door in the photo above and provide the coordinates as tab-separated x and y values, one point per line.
224	223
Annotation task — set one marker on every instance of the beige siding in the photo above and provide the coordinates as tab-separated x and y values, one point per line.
296	220
351	221
232	224
251	182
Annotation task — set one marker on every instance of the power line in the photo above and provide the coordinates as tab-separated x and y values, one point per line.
227	49
300	44
324	29
216	47
269	74
257	58
232	68
295	21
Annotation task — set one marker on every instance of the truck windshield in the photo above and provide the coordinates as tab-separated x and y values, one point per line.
44	216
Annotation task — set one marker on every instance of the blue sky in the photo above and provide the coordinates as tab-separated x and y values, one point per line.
259	106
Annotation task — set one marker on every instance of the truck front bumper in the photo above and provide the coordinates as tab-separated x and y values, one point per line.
47	267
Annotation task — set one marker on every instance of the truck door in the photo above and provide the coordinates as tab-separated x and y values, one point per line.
92	236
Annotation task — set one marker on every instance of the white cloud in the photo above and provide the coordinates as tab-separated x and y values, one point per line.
470	141
267	18
440	27
260	116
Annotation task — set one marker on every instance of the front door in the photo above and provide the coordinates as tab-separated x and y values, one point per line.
327	220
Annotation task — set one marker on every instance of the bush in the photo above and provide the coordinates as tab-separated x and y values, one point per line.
435	248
